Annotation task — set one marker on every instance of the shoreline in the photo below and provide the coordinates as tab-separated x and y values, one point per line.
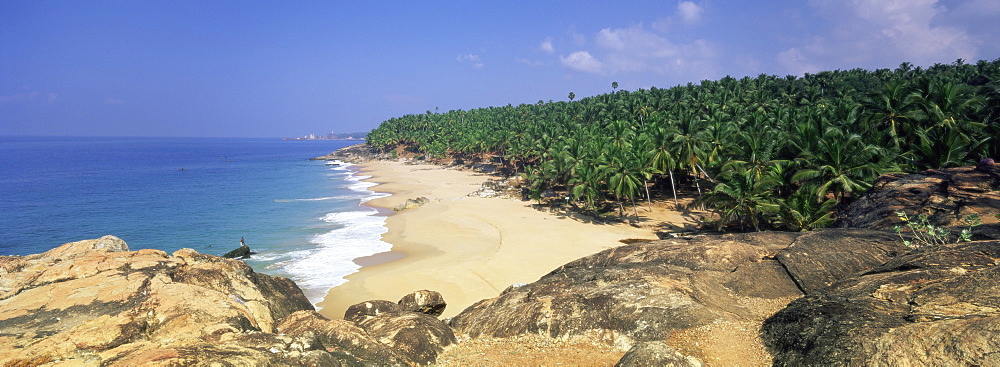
467	248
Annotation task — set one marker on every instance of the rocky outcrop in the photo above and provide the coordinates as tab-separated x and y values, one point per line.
365	310
94	302
411	204
937	306
347	342
409	327
357	153
419	337
644	292
658	354
947	196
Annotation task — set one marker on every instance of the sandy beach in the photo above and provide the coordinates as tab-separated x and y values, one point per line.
465	247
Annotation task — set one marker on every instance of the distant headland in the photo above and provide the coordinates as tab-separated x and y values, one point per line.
332	136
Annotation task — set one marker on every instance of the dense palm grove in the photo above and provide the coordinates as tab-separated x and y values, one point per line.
764	152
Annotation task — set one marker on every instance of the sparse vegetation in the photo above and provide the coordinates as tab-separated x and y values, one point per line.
918	232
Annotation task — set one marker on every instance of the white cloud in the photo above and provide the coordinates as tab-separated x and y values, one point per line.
636	50
467	57
582	61
690	12
546	45
687	13
881	33
474	59
795	62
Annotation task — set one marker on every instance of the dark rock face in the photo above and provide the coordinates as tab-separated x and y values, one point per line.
945	195
365	310
425	302
937	306
241	252
815	262
643	292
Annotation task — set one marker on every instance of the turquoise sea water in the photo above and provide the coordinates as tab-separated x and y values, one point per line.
305	219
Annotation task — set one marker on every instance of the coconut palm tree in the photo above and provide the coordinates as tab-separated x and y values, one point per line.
742	198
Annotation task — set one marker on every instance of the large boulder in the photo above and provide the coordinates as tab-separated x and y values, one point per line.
656	354
938	306
95	303
417	337
818	259
362	311
424	301
644	292
344	339
947	196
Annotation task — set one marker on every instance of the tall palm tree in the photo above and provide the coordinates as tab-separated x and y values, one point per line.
741	197
842	165
889	109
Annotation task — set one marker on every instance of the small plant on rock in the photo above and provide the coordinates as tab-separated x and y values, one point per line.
923	233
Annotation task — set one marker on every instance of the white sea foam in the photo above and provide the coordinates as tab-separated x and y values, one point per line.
354	232
340	197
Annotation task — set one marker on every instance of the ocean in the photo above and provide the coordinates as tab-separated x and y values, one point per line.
305	219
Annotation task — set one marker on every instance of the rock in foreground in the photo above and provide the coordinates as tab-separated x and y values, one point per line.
657	291
946	195
937	306
95	303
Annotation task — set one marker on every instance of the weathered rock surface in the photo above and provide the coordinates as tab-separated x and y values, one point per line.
411	204
424	301
937	306
94	302
365	310
418	337
815	261
643	292
344	339
945	195
656	354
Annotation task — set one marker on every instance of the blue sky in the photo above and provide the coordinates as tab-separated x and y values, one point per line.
290	68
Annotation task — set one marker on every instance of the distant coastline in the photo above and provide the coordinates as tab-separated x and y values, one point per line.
331	136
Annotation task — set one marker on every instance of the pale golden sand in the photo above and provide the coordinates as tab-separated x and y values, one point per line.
467	248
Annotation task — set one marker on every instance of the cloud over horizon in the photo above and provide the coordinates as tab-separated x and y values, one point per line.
637	50
872	32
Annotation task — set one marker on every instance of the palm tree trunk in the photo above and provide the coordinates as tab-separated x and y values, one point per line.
673	187
635	209
649	199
